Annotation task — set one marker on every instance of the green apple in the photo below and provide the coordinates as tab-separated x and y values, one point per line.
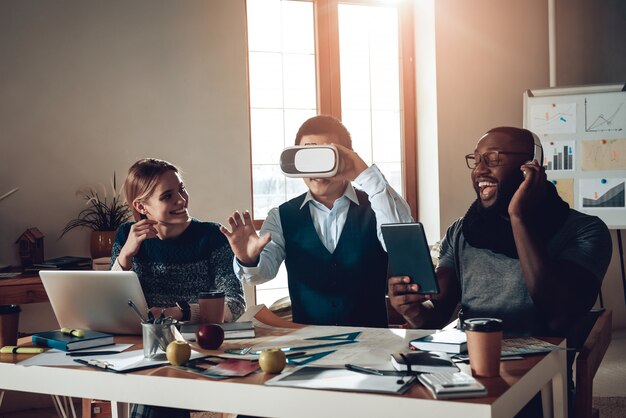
178	352
272	360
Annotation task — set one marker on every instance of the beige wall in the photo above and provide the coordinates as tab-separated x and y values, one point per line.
487	53
591	46
89	88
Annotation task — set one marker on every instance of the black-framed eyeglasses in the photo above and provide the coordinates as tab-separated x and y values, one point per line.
489	158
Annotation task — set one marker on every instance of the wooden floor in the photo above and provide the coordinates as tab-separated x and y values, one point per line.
610	380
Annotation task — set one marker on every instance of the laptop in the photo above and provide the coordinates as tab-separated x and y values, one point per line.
95	300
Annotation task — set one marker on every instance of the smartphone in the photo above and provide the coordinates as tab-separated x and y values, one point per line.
409	255
309	161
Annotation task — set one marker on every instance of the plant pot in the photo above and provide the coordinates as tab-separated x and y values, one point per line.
101	243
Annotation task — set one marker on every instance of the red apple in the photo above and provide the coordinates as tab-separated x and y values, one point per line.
210	336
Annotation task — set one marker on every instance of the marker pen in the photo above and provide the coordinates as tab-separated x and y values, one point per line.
13	349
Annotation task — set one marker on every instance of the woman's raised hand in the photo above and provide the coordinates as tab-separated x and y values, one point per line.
139	232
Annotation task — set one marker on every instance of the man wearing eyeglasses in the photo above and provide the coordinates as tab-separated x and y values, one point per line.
519	254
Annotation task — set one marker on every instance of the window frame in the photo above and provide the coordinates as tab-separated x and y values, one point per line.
328	75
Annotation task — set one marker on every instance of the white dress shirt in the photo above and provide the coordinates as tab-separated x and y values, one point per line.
387	204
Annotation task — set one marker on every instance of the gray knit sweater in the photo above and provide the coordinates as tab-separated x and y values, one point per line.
198	260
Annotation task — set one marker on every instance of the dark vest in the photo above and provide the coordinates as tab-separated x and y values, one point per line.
346	287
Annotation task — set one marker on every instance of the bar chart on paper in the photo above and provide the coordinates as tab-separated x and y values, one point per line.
559	155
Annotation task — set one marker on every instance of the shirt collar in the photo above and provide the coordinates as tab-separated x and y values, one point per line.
350	193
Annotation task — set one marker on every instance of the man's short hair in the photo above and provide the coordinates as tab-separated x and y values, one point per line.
325	125
514	132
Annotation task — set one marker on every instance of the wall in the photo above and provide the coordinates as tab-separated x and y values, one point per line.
591	50
88	88
487	53
590	42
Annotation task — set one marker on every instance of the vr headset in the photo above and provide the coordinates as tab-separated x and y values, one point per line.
310	161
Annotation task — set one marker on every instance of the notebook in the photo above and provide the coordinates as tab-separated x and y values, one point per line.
424	362
61	341
232	330
449	341
95	300
452	385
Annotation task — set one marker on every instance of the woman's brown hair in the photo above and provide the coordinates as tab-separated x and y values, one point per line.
142	179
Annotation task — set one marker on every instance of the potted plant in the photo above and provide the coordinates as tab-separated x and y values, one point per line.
103	215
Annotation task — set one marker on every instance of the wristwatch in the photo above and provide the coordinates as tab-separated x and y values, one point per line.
185	309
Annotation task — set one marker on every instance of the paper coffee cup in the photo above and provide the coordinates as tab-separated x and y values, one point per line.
484	345
9	320
211	307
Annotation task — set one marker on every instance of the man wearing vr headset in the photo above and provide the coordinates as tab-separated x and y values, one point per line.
519	254
329	238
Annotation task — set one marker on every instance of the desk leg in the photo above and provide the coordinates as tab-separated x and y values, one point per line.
1	396
119	409
547	400
64	406
559	388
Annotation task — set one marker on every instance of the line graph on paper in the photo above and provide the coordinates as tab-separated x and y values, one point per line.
608	117
553	118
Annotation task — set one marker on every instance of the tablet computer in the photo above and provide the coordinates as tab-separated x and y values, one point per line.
409	255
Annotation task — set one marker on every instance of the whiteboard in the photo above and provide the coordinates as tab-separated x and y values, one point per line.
583	133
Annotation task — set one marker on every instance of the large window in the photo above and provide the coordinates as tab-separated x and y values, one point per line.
347	59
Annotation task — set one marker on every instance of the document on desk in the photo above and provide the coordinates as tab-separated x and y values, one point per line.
128	361
54	357
372	347
312	377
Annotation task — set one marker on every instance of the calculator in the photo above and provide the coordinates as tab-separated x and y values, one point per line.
448	385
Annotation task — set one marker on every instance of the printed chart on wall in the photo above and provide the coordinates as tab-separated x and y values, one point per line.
583	133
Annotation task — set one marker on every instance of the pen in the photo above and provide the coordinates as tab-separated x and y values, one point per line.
12	349
132	305
91	353
365	370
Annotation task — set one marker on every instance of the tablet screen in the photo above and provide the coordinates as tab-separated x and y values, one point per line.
409	254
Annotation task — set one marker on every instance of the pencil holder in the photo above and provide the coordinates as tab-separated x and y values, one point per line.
156	337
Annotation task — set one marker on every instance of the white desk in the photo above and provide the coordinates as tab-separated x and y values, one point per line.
519	381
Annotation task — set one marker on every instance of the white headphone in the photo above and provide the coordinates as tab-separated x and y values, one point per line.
537	149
